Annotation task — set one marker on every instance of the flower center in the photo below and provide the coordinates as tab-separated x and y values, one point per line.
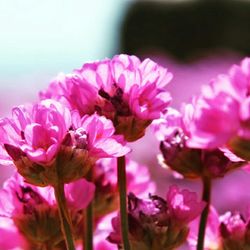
117	100
81	138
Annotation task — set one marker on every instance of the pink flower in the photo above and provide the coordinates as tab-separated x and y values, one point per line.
173	131
33	211
228	231
40	138
233	226
16	194
220	108
221	115
124	89
36	131
183	205
158	223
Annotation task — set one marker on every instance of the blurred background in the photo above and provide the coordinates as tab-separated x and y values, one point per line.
194	39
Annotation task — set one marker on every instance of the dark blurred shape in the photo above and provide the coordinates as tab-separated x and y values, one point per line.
186	30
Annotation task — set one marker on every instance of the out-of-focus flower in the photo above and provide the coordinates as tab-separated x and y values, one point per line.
124	89
233	226
221	115
234	231
173	130
183	205
105	179
47	143
157	223
33	215
228	231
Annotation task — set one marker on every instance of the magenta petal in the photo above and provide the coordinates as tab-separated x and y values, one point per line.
80	193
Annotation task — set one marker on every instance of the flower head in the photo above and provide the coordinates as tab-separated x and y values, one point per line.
183	205
233	226
173	131
156	223
221	115
36	130
46	142
32	212
228	231
124	89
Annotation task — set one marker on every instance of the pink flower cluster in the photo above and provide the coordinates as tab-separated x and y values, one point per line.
82	118
65	148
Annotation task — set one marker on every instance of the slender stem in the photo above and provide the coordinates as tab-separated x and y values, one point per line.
203	219
121	176
64	216
88	221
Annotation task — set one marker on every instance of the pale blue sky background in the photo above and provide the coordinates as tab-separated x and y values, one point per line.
38	39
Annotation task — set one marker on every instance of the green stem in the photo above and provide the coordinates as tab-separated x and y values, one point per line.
88	221
121	176
64	216
203	219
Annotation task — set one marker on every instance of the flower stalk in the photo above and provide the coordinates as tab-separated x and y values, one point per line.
206	197
121	172
88	220
64	216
